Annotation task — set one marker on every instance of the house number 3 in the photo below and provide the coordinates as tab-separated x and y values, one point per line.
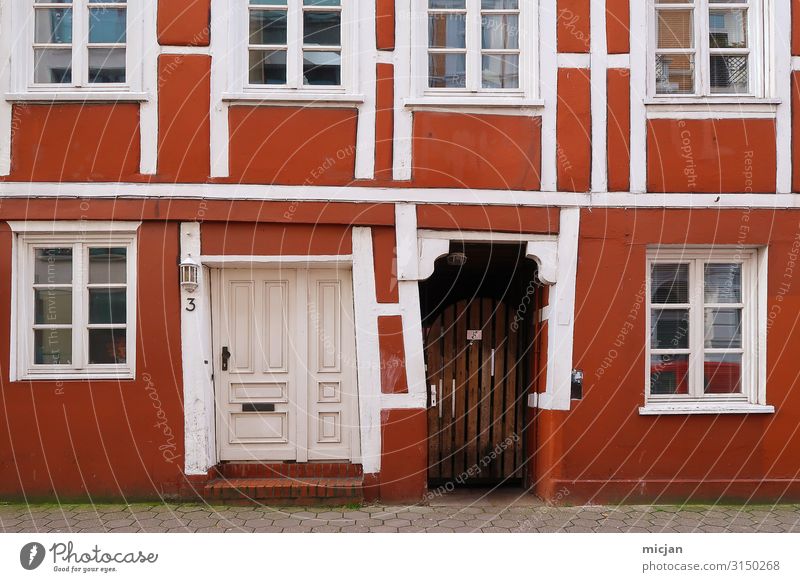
191	306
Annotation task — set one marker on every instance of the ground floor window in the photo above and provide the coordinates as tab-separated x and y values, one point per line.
703	340
75	305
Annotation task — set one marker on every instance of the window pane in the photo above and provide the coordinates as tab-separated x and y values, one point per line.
322	68
730	73
723	328
675	74
500	71
447	4
268	2
268	67
447	70
675	29
668	374
447	31
723	373
53	266
500	31
107	305
107	346
727	28
669	329
52	346
53	25
267	27
108	265
322	28
723	283
106	65
53	306
52	66
669	283
499	4
107	25
321	2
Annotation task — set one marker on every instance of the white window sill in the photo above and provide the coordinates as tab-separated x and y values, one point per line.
466	101
313	99
62	377
705	408
711	106
76	96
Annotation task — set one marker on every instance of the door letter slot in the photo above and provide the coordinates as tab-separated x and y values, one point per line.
258	407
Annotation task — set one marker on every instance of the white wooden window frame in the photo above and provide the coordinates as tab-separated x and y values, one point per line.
22	87
754	331
526	95
238	86
28	237
759	38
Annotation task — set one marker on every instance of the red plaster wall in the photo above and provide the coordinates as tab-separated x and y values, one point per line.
496	218
75	142
619	130
184	133
292	145
220	238
453	150
722	155
672	457
71	440
184	23
384	248
618	27
573	26
384	24
404	457
384	122
574	130
393	355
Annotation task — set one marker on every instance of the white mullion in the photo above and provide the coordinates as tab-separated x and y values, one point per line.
79	358
473	43
696	329
294	44
80	38
702	69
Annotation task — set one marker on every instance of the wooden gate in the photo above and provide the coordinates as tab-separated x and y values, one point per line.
476	403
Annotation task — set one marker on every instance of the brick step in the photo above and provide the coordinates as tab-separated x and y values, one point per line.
288	491
287	470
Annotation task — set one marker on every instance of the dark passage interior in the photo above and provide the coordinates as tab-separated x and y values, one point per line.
481	350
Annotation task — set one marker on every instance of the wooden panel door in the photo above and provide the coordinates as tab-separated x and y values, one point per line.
476	404
285	365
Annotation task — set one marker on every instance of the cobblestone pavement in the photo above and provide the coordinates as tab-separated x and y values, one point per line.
449	518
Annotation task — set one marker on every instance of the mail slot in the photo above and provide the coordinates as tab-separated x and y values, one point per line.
258	407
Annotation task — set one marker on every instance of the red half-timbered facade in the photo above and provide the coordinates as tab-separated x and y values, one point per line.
333	250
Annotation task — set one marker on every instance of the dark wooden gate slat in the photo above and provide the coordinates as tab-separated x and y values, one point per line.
485	444
473	387
460	355
448	426
509	412
498	384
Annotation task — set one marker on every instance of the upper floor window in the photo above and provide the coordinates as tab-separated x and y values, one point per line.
705	319
475	48
79	42
75	303
295	44
81	49
708	48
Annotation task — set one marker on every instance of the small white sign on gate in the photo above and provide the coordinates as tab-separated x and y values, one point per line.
474	335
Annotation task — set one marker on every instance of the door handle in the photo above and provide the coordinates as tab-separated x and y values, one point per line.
226	354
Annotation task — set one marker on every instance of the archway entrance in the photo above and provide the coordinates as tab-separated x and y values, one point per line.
481	348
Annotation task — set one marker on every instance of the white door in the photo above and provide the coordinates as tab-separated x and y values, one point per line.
285	365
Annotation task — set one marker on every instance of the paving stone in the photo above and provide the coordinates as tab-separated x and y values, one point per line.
397	522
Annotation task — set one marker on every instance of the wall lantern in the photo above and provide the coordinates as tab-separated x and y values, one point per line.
189	271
